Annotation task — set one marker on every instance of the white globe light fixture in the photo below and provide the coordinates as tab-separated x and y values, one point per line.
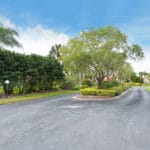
7	81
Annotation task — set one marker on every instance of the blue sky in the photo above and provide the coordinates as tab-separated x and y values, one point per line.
73	16
70	17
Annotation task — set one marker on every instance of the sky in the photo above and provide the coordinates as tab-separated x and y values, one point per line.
43	23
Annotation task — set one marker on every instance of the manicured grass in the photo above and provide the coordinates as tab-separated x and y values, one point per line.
146	85
1	90
34	96
148	89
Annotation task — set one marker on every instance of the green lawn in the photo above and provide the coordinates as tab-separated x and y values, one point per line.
34	96
1	90
148	89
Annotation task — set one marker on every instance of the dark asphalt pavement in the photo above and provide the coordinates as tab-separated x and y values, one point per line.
59	123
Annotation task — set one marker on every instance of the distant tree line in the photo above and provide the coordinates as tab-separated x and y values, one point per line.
28	73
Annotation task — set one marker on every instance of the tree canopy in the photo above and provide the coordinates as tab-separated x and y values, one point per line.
8	37
102	51
54	51
29	73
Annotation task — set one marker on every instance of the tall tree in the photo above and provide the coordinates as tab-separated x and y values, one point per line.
8	37
54	51
102	51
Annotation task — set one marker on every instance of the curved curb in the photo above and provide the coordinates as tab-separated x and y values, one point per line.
77	98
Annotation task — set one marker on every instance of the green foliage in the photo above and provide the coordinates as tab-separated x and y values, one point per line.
136	78
87	82
135	52
54	51
1	92
109	84
84	86
68	84
103	52
146	84
131	84
29	73
77	87
34	96
8	37
114	91
148	89
98	92
118	90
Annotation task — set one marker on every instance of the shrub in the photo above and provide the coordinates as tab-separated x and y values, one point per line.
97	92
76	88
136	84
118	90
84	86
114	91
87	82
110	84
104	92
67	84
131	84
145	84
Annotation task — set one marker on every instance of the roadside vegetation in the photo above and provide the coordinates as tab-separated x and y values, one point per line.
94	62
100	54
148	89
110	91
29	73
33	96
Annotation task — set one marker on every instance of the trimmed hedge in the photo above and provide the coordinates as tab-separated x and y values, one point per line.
114	91
118	90
97	92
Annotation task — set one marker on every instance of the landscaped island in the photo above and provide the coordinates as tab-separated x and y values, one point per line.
111	92
94	93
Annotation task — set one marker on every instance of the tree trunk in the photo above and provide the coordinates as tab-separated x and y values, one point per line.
51	83
79	79
100	83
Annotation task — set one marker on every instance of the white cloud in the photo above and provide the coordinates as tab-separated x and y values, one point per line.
139	32
39	40
6	22
36	39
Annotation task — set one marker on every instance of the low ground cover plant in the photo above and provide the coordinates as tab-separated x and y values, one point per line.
33	96
113	91
148	89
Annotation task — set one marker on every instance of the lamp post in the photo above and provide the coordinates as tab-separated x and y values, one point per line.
7	82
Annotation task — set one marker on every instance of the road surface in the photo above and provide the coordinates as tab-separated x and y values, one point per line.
58	123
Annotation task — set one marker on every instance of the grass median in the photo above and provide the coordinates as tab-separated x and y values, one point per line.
34	96
148	89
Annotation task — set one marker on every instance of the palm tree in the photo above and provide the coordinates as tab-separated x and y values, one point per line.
8	37
55	50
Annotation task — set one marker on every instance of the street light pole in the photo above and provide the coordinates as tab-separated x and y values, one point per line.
7	83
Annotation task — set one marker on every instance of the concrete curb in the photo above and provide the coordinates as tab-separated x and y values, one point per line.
77	98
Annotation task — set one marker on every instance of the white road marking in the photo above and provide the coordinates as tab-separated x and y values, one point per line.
71	106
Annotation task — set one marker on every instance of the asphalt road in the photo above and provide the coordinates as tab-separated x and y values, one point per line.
59	123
